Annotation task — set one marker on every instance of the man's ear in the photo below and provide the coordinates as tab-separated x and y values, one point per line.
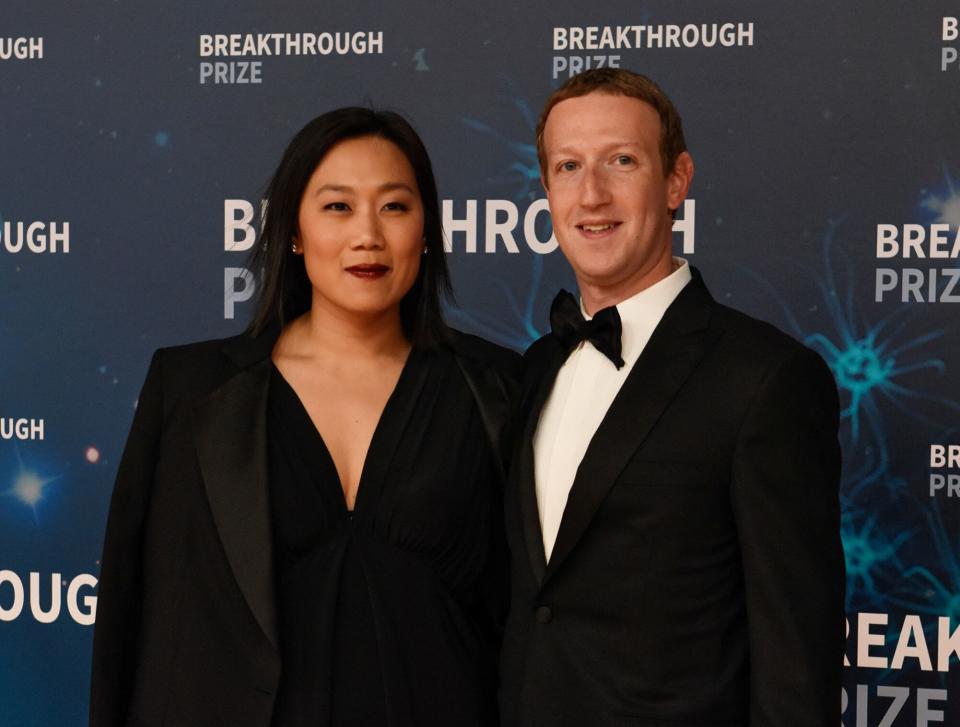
679	180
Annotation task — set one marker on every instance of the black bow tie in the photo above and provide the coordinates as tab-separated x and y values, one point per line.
570	327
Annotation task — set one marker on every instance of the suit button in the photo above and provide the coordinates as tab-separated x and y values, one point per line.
543	614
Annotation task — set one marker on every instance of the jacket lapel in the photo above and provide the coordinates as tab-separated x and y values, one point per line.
673	352
494	397
231	438
540	371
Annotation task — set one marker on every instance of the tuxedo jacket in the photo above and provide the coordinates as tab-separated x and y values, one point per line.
186	630
697	577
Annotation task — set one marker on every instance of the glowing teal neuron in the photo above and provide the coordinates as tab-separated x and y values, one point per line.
872	363
859	368
421	60
524	164
935	594
866	360
864	365
929	593
522	167
867	553
947	207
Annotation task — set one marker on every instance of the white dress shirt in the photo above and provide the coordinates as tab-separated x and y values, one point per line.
584	389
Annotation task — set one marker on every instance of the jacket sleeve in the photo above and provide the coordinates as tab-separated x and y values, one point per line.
785	496
119	591
492	373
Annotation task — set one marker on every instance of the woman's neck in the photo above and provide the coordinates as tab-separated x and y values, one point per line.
321	334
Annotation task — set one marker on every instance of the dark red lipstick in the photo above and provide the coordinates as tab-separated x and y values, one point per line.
368	271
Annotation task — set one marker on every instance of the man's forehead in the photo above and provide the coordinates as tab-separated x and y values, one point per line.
602	111
603	99
599	121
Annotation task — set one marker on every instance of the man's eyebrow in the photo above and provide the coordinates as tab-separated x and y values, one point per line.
608	147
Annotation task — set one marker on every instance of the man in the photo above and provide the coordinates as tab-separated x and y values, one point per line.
673	512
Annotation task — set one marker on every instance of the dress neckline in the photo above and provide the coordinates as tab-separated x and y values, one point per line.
386	434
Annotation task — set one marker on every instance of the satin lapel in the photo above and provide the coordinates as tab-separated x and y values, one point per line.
673	352
230	432
494	404
539	378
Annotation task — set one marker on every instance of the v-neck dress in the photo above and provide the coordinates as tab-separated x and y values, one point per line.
389	614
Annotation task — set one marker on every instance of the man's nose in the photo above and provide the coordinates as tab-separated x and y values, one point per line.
594	190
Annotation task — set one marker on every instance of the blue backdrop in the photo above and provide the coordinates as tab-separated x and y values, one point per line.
137	139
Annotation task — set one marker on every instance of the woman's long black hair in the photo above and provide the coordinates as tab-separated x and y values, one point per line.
285	291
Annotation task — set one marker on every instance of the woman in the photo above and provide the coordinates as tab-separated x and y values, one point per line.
306	526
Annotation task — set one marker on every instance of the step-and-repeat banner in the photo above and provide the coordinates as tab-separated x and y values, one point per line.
136	139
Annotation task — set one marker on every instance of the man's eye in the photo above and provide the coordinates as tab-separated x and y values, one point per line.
568	166
623	160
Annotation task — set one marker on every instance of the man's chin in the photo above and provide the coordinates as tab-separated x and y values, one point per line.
600	279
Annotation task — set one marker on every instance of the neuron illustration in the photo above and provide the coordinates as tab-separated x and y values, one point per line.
518	330
945	206
934	589
884	371
522	167
518	175
871	557
870	360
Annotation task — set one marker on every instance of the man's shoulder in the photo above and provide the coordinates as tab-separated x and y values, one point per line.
756	335
758	344
758	332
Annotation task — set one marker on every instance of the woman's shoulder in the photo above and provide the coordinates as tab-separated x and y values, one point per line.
480	351
193	368
493	374
199	353
192	352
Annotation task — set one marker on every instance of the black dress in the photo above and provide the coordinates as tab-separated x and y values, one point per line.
389	614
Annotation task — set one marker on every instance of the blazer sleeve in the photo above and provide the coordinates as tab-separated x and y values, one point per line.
493	375
785	494
119	590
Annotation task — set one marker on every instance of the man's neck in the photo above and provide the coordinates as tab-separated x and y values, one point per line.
597	297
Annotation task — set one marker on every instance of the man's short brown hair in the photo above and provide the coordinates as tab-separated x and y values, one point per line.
621	82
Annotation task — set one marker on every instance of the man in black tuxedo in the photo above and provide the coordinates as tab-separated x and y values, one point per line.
673	513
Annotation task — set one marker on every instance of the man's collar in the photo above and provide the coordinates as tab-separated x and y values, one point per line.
647	307
665	289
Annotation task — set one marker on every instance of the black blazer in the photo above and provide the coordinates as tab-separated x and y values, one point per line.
697	577
186	630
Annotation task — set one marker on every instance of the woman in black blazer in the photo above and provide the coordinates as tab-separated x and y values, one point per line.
306	524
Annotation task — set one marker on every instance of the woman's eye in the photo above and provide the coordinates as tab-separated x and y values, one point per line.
336	206
395	206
